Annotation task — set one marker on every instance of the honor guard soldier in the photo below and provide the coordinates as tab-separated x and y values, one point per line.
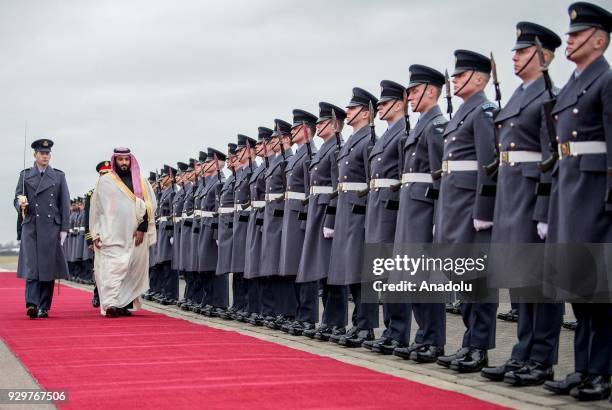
245	157
383	202
102	168
349	225
272	307
225	210
153	272
177	212
420	155
215	287
192	262
314	262
581	197
257	193
167	293
520	213
294	221
465	206
185	265
43	200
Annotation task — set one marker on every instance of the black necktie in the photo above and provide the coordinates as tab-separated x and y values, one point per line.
42	174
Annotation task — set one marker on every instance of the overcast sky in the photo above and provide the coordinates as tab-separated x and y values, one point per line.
170	78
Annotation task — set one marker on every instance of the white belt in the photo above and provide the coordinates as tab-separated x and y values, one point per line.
82	229
225	210
197	212
352	186
273	196
416	177
163	219
581	148
258	204
207	214
184	216
314	190
511	157
295	195
452	166
382	183
177	219
238	208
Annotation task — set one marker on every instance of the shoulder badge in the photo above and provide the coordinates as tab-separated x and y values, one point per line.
488	106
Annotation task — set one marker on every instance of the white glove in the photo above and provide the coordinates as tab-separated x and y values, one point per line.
482	225
171	241
328	233
542	228
216	240
63	237
22	200
433	230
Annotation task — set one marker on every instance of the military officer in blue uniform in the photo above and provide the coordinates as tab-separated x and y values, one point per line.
177	212
215	287
294	217
420	155
582	181
245	157
273	309
257	193
519	210
349	224
192	262
42	196
314	262
465	206
185	263
225	211
383	202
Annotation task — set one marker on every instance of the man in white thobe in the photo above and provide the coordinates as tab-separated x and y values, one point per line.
123	228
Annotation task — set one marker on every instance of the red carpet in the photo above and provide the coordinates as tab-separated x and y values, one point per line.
153	361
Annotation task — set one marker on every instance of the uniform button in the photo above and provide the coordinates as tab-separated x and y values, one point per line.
461	123
450	154
377	175
499	125
410	170
315	168
557	138
413	154
454	138
36	204
512	145
445	141
50	204
499	145
376	189
574	134
556	117
51	194
36	214
48	216
512	124
575	110
346	162
379	158
352	149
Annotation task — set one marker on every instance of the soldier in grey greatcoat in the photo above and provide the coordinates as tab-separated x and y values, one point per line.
197	285
420	155
294	217
349	226
520	212
225	211
464	211
257	193
42	197
383	202
581	200
245	158
185	256
177	212
275	312
314	261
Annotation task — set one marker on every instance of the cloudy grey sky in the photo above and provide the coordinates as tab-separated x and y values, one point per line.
168	78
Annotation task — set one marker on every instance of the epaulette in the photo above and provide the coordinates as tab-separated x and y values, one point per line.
25	170
58	170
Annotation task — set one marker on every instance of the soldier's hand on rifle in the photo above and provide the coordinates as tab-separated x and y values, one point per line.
63	235
480	225
328	233
138	238
542	229
22	200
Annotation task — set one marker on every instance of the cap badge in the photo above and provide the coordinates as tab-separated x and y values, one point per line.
573	14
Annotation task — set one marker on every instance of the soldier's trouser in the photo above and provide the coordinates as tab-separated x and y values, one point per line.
308	302
78	269
239	297
207	283
88	269
397	326
431	318
198	287
268	302
253	295
39	293
188	291
154	276
287	296
538	328
71	269
479	320
593	338
169	280
336	306
365	315
220	291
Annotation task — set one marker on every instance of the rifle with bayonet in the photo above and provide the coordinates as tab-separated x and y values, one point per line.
548	106
364	192
492	167
307	167
334	124
449	96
